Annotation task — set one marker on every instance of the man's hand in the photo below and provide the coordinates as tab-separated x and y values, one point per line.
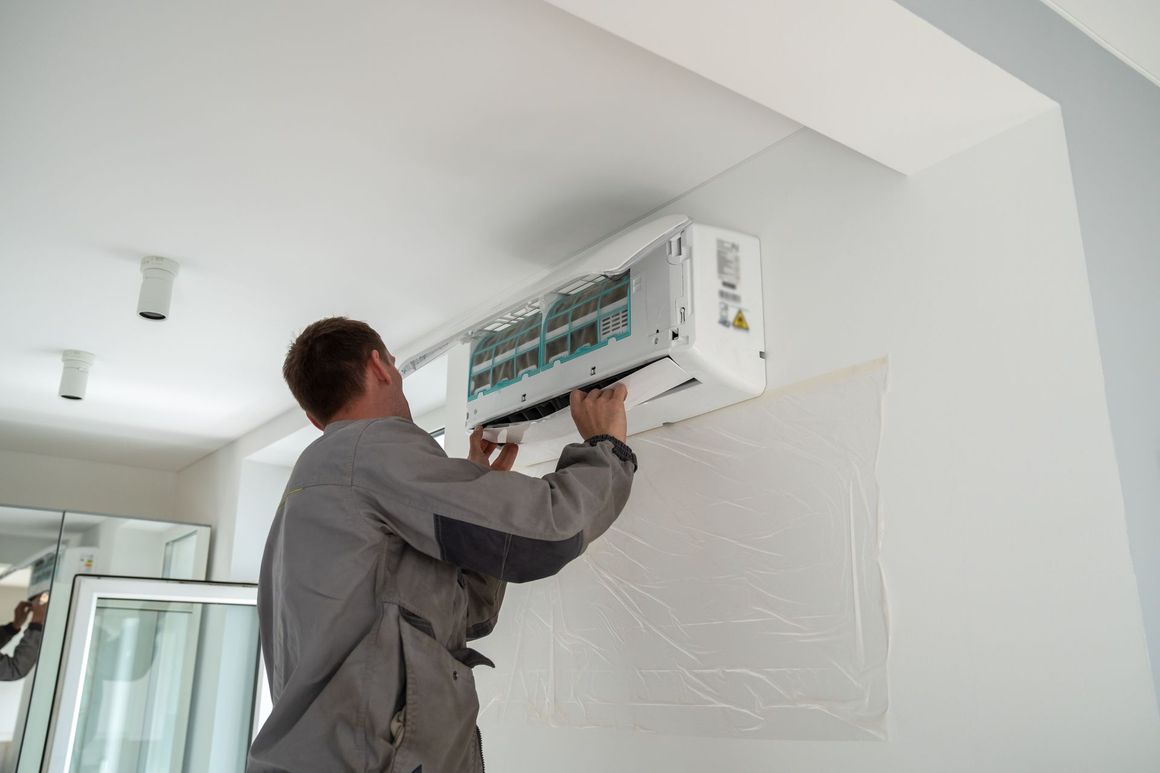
481	451
39	610
600	412
21	614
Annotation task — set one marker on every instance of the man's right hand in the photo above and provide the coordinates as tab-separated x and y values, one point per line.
600	412
39	609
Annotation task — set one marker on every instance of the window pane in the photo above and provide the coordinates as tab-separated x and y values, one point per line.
146	704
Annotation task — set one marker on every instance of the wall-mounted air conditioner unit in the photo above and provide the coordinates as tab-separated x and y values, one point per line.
672	308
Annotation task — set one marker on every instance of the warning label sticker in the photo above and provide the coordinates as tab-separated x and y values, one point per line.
731	316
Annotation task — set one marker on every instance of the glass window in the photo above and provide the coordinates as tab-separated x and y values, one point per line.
93	544
180	560
162	677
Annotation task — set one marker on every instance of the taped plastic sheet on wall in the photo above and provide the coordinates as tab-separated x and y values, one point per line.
738	595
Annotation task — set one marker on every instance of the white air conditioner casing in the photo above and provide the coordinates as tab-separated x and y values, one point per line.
675	313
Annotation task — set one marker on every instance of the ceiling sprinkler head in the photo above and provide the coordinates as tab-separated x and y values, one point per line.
156	287
75	376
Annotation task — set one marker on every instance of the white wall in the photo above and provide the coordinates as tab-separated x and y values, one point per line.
260	492
1016	634
208	492
1112	118
32	480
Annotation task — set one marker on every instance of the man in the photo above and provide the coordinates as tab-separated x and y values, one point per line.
386	557
19	663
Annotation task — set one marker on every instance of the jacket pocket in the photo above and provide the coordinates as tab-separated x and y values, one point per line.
441	706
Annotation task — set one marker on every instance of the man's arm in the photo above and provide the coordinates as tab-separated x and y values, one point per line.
499	524
21	662
7	632
23	610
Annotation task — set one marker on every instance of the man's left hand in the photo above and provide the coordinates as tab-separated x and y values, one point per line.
481	451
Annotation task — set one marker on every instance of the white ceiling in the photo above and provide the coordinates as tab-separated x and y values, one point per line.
866	73
29	522
1130	29
26	522
395	162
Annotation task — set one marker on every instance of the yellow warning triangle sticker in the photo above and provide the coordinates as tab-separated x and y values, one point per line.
739	321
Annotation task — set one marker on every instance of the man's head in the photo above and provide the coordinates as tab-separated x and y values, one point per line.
338	369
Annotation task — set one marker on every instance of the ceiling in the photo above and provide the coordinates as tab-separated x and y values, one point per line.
27	522
392	162
1130	29
30	522
868	74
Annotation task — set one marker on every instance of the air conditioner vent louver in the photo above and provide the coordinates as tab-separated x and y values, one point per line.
557	403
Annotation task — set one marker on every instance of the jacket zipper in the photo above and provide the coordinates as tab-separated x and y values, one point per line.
479	740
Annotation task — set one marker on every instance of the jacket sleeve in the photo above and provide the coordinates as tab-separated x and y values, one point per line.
503	525
27	651
484	597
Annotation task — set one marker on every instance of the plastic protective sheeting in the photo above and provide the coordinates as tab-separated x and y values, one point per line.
739	594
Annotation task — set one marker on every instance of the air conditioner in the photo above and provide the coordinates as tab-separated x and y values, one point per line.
672	308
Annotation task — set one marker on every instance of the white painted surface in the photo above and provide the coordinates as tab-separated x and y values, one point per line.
385	161
1130	29
35	480
1016	639
1111	117
866	73
284	452
209	490
260	492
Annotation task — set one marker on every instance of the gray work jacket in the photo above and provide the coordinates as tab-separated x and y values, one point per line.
19	663
385	557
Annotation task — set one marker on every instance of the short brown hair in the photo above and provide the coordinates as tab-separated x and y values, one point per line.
326	364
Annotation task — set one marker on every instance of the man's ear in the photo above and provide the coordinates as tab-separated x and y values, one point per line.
379	368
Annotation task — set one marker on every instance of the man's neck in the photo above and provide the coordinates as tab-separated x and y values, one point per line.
360	410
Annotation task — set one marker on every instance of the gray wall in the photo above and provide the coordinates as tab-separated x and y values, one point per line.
1111	115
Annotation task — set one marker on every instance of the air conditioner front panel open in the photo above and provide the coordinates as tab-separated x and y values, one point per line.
681	326
644	384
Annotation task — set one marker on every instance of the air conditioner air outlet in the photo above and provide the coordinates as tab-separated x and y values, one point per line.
547	407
